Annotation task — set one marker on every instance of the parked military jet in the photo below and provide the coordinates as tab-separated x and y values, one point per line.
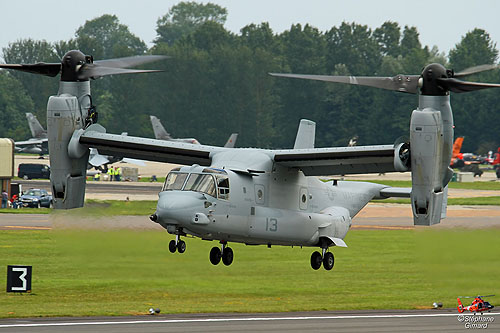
38	144
260	196
162	134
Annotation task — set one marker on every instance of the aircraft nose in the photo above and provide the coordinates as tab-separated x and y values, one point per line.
178	206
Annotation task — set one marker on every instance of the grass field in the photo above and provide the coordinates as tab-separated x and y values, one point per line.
85	273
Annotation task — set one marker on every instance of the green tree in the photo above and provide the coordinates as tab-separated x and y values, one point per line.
475	48
185	17
388	37
475	113
39	87
105	37
354	46
14	103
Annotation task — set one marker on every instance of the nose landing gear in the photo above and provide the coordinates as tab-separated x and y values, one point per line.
327	259
177	245
225	253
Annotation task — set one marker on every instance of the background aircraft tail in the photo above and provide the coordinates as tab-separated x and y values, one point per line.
457	146
37	130
231	141
159	130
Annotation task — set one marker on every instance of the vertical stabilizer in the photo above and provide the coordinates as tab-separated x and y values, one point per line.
457	146
159	130
231	141
37	130
305	135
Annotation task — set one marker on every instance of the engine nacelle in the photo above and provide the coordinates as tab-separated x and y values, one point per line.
431	133
66	114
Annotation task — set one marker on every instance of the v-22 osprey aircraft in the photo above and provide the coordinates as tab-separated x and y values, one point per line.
260	196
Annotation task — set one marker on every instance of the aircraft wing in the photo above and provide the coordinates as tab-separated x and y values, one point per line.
339	160
30	142
141	148
134	161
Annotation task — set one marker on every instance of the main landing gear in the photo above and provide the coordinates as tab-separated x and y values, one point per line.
225	253
326	259
177	245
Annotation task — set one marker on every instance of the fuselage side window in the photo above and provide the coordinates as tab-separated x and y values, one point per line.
174	181
201	183
223	187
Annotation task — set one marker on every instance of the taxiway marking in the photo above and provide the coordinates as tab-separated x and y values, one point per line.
26	227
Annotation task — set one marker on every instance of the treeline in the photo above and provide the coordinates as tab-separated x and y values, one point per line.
216	82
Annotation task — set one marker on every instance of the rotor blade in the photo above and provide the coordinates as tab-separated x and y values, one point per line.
459	86
90	71
402	83
474	70
129	61
40	68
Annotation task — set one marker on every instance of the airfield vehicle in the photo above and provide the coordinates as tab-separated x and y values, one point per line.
36	198
33	170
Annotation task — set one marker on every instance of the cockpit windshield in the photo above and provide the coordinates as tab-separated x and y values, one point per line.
174	181
215	184
201	183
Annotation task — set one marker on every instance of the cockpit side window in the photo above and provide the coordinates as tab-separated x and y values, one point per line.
222	187
174	181
201	183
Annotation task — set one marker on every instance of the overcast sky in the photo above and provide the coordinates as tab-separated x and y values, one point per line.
441	23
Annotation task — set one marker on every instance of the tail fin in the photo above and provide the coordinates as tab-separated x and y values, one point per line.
457	146
460	307
37	130
305	135
159	130
231	141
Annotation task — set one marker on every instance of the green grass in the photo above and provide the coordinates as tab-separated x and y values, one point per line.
89	273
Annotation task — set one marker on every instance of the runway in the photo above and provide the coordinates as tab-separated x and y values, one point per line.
447	320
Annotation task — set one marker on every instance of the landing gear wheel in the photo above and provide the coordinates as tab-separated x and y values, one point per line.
328	261
316	260
181	246
215	255
171	246
227	256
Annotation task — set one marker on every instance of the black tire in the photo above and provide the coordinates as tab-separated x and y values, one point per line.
227	256
316	260
171	246
37	205
25	177
215	255
328	261
181	246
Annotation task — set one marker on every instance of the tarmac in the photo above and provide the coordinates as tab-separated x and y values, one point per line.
444	320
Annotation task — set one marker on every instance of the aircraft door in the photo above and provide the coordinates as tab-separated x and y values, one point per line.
303	198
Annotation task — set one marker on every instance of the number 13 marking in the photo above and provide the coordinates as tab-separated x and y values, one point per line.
271	224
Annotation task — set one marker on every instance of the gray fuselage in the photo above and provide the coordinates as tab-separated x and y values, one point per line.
271	205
